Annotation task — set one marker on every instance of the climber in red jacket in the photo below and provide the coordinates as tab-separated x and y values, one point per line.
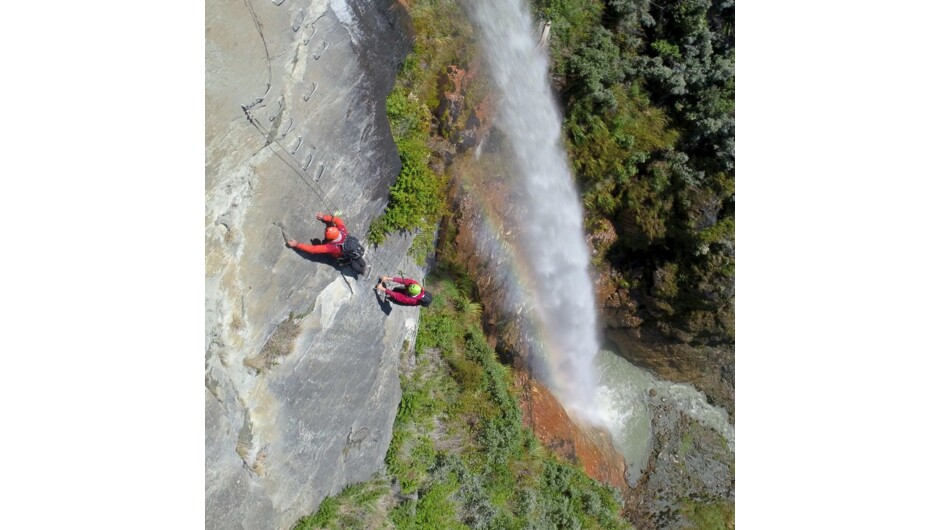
333	238
411	294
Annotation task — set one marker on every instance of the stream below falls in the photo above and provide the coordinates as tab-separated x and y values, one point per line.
623	397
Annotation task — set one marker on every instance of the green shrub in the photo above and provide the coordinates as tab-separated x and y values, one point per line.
351	509
408	117
723	230
573	23
705	516
608	148
324	516
667	49
437	330
433	509
417	199
411	452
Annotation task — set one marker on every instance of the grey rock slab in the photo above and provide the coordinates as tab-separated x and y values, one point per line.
301	362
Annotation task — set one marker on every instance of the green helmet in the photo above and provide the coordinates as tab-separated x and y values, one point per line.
414	289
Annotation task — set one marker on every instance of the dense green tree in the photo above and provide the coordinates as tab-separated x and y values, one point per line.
595	68
648	91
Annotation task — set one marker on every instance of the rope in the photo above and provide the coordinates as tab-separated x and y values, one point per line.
303	175
301	172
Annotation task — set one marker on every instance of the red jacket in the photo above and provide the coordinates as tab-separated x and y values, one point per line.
405	298
333	248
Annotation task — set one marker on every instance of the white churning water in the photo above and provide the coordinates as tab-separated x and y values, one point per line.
623	401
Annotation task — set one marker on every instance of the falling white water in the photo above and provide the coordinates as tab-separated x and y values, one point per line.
558	295
552	232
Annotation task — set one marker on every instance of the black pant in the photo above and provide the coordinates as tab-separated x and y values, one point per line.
359	265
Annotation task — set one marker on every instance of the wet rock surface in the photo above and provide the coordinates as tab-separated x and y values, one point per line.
578	444
301	362
689	462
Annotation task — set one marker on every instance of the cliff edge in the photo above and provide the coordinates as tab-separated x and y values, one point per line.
301	361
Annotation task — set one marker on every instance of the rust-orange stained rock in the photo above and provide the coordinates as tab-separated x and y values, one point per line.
577	443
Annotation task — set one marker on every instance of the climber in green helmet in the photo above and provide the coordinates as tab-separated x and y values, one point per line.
411	292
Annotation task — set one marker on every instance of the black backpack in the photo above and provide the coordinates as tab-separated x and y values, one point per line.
425	300
352	249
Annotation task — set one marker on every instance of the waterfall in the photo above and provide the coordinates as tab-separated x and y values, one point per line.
548	280
560	291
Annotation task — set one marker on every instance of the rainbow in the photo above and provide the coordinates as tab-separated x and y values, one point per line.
553	364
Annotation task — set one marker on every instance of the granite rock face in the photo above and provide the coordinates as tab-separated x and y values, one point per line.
301	360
